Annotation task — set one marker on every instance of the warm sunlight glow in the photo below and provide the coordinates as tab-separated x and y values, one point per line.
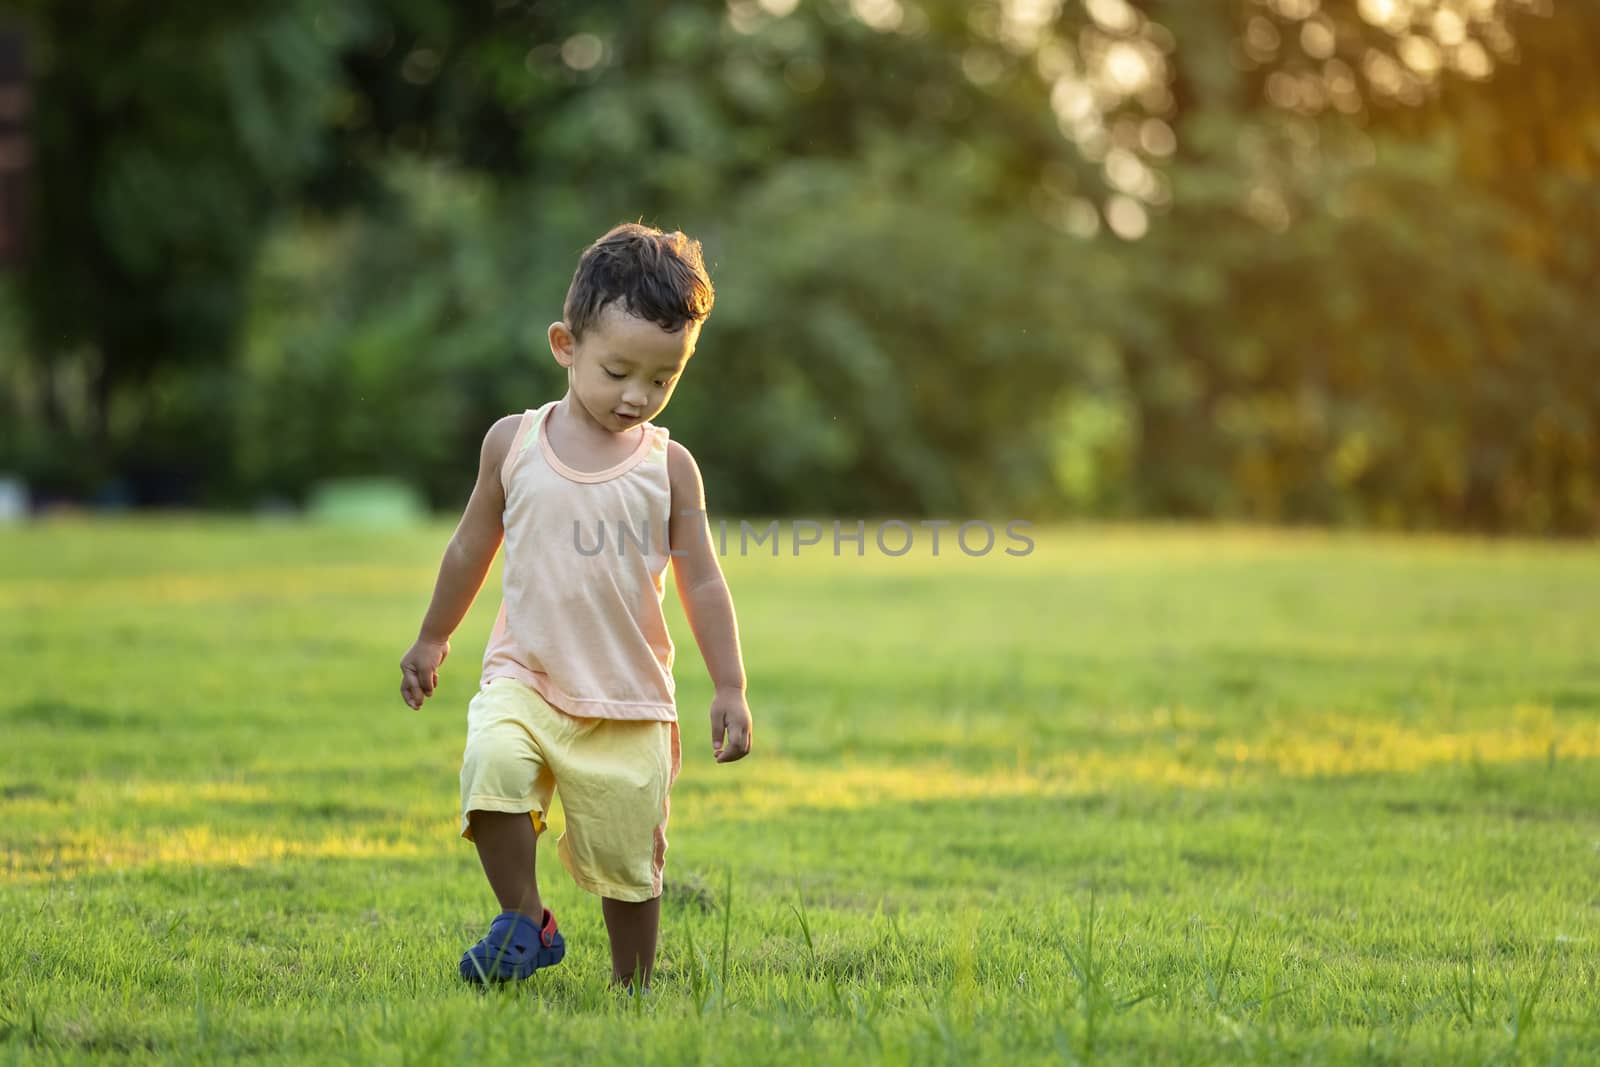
1071	99
1429	38
1157	138
1317	39
1127	218
1383	13
1127	66
1309	746
1449	28
1024	22
1471	59
881	15
1420	54
191	846
1113	15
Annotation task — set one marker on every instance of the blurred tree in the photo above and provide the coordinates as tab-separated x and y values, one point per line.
395	341
872	234
16	149
1270	258
1352	326
165	142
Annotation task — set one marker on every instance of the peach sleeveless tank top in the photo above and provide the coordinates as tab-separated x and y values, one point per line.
584	575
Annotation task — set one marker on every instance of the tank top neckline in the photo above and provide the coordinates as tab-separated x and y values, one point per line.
632	460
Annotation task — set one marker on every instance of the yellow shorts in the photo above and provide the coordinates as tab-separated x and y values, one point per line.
614	776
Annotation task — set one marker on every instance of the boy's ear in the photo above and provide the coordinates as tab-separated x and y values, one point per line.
562	343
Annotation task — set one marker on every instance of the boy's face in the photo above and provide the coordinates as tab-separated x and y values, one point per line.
625	368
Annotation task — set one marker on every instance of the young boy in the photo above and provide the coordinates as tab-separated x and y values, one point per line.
577	687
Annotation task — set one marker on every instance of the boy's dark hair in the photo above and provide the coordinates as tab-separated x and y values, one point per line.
657	276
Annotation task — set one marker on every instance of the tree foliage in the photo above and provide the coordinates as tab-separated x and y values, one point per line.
1287	260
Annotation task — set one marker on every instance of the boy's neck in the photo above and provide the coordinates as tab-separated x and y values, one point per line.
583	428
589	442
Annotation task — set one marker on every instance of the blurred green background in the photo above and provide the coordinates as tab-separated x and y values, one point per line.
1276	260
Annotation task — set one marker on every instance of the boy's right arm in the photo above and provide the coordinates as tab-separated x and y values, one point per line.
466	563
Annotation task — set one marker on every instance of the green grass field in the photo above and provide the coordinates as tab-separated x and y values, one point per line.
1147	795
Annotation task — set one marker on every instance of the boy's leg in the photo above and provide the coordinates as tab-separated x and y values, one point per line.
633	927
615	786
507	847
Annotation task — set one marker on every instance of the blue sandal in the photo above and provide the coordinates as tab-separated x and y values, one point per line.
513	949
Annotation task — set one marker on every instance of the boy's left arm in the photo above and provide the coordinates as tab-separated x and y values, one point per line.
708	605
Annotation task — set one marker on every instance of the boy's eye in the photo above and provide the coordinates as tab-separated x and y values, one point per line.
614	374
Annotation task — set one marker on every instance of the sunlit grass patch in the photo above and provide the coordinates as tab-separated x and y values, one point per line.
1146	795
69	853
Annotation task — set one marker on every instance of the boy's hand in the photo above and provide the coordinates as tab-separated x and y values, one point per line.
419	670
730	715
